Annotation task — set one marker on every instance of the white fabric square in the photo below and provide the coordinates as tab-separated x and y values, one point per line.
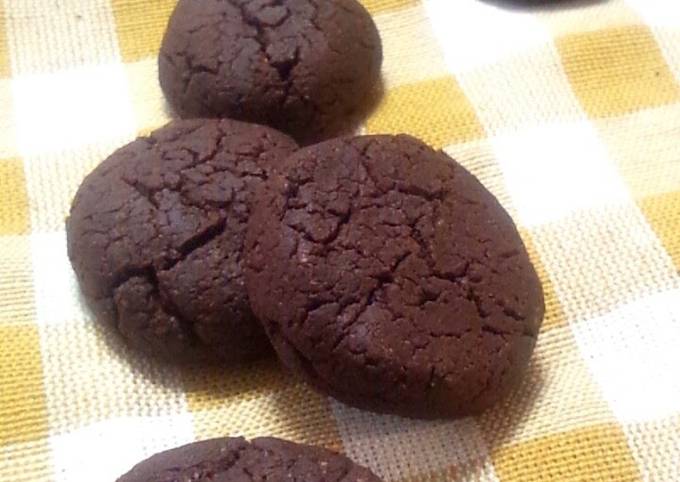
108	449
463	30
72	108
150	108
8	142
658	13
51	201
633	355
410	48
601	258
586	16
397	448
69	33
57	296
523	91
555	169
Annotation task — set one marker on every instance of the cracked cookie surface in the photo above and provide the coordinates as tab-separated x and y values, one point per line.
307	67
237	460
388	277
156	233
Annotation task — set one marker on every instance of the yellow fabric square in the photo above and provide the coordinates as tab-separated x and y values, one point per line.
377	6
594	453
655	445
4	45
140	26
27	461
644	146
17	298
14	214
554	314
209	388
437	111
618	70
23	412
257	400
663	213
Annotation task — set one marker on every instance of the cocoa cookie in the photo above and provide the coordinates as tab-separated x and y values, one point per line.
156	232
307	67
237	460
387	276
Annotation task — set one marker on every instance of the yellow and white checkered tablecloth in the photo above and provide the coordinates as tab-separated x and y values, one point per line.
569	113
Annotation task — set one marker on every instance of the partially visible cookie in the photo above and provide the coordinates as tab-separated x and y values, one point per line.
388	277
156	232
306	67
237	460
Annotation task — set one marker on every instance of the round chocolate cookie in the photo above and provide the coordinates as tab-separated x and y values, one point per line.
388	277
307	67
156	233
237	460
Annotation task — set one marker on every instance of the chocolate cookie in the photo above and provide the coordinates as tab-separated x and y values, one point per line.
237	460
388	277
156	234
307	67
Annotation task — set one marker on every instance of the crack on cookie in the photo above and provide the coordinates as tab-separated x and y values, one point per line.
199	240
143	191
270	16
147	272
487	385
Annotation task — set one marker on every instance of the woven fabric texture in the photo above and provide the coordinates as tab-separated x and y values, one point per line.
568	111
